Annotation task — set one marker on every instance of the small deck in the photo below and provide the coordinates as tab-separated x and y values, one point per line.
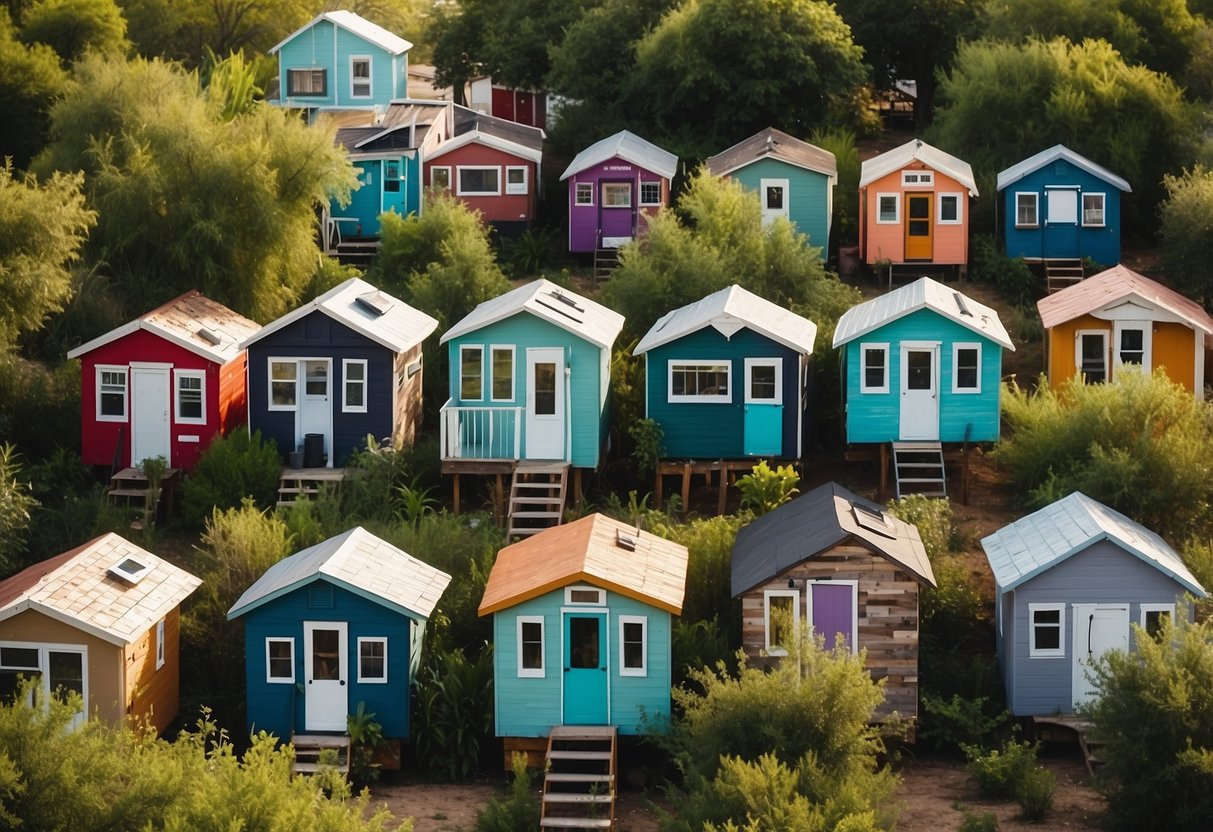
132	485
303	483
726	471
1068	728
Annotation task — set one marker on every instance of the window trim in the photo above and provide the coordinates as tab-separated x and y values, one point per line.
863	367
644	203
370	76
777	363
617	185
1147	344
98	370
643	621
372	680
293	92
270	381
346	363
568	596
512	350
531	672
896	197
467	348
716	398
853	633
1035	209
1144	609
1103	209
434	169
960	211
459	190
270	679
178	375
523	188
44	649
767	595
956	388
1035	652
923	178
160	644
583	187
1078	335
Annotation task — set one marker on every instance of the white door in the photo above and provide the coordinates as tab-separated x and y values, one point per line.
1098	628
545	427
919	391
149	413
774	195
326	672
315	405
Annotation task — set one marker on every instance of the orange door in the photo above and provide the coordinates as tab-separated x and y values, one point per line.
918	226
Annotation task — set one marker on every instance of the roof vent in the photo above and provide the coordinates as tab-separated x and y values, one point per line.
209	335
565	299
375	302
130	570
872	519
624	541
961	305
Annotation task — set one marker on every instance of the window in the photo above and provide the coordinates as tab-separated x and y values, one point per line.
1027	210
471	373
59	669
440	178
1091	359
1133	343
160	644
966	368
360	76
353	374
391	176
874	369
280	661
530	646
316	382
307	82
706	381
616	194
372	660
585	595
949	209
515	180
584	194
190	405
917	177
1154	615
888	208
479	181
1047	623
503	374
763	381
1092	209
633	645
111	394
284	384
781	618
650	193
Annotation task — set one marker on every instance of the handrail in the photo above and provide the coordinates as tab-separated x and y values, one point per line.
480	431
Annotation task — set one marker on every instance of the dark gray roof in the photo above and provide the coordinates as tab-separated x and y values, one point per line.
773	144
468	121
348	137
820	520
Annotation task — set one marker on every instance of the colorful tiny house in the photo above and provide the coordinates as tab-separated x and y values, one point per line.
614	185
913	207
922	363
793	179
1060	205
582	618
725	378
1068	581
1120	318
529	107
337	369
848	569
164	385
102	620
334	626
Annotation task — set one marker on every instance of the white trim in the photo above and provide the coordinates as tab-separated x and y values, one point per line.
767	595
710	398
917	178
808	602
1035	209
641	201
606	185
643	621
270	361
568	596
960	211
44	671
98	369
1035	652
768	214
346	363
1145	609
1059	210
523	188
279	680
956	348
471	348
370	76
1078	336
459	169
372	680
1146	328
750	364
1103	209
178	375
896	197
863	375
159	644
583	187
532	672
446	168
493	348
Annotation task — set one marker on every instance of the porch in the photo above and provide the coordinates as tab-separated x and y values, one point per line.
480	434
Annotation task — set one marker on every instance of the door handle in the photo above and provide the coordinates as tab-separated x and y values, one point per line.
309	681
343	683
566	670
1090	622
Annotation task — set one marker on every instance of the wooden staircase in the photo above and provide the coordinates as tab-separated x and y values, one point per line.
606	260
536	497
305	483
918	469
311	756
1060	273
579	784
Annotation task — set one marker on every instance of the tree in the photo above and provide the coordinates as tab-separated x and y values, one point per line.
71	27
1187	231
16	504
30	80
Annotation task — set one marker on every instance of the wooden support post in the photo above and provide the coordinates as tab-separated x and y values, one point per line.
722	498
456	494
657	486
499	499
964	476
884	471
686	488
577	486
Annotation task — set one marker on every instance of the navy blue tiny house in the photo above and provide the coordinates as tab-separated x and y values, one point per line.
343	366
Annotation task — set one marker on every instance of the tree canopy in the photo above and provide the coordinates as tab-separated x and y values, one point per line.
1187	231
30	79
71	27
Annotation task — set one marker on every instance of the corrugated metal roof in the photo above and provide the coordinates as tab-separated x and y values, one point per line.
360	26
627	146
468	120
729	310
934	158
653	571
923	293
566	309
774	144
359	562
1031	545
1059	151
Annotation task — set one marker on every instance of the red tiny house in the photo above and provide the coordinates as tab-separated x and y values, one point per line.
510	201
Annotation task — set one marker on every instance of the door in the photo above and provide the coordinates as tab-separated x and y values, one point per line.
366	203
545	424
616	212
395	185
763	430
832	611
315	405
149	413
919	391
326	670
1061	222
585	668
774	195
919	225
1098	628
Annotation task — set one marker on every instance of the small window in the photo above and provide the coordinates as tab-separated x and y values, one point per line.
391	176
650	193
530	646
503	374
479	181
284	384
584	595
440	178
515	180
471	373
111	394
307	82
1154	616
633	645
874	372
917	177
584	194
707	381
616	194
1132	346
949	209
1092	209
781	619
190	404
763	381
888	208
372	660
966	368
1027	210
131	570
1048	624
353	373
317	381
360	76
1092	357
160	644
280	661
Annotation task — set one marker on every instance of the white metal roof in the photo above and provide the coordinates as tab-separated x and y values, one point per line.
897	158
729	310
360	26
399	327
923	293
627	146
542	298
1059	151
357	561
1022	550
489	140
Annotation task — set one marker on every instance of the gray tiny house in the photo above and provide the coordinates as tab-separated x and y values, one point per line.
1069	579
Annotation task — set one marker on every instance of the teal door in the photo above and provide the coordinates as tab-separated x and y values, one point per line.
395	186
585	668
362	214
763	433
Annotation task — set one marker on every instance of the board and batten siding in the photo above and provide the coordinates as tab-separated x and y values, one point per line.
584	219
152	691
1101	244
810	201
324	45
369	199
1172	346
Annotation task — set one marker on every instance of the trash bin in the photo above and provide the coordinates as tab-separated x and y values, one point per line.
313	450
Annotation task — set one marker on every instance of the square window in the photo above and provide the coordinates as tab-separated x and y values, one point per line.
1093	209
764	381
584	194
650	193
189	395
1027	210
307	82
284	384
617	194
111	394
700	381
530	646
1132	347
874	373
949	209
503	374
471	373
1047	624
1154	617
372	660
479	181
440	179
966	368
515	180
888	208
633	645
280	660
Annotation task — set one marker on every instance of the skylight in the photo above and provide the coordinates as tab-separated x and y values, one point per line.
131	570
376	303
872	519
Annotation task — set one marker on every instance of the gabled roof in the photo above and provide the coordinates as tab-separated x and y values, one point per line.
1031	545
405	124
1058	151
489	140
192	321
357	304
79	589
774	144
568	310
468	120
916	149
817	522
360	26
654	570
358	562
1114	287
729	310
923	293
626	146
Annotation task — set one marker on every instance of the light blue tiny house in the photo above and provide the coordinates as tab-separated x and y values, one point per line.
725	378
1069	579
793	179
333	626
921	363
1060	205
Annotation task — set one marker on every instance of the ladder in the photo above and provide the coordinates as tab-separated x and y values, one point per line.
606	260
536	497
1060	273
579	783
316	751
918	469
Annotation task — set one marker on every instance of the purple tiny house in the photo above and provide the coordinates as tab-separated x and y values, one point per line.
613	184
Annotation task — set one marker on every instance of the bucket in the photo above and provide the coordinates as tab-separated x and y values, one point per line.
313	450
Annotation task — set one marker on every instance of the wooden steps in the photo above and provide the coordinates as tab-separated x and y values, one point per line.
918	468
606	260
1060	273
537	495
1066	727
579	783
305	483
311	756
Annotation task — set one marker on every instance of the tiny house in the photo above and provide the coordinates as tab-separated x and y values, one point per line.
529	107
336	625
849	570
725	377
1068	581
164	385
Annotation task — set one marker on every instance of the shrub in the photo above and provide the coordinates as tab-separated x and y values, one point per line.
999	774
709	593
973	822
454	712
699	643
16	505
520	811
932	517
763	489
39	406
1010	275
232	468
646	454
1035	793
958	723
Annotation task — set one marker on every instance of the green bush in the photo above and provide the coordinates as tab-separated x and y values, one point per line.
1035	793
232	468
709	543
39	406
973	822
1000	774
1010	275
519	812
765	489
932	517
454	713
16	507
697	644
646	453
958	723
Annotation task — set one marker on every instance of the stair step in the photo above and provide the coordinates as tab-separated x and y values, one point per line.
579	755
575	823
312	768
127	492
921	480
574	777
536	515
528	484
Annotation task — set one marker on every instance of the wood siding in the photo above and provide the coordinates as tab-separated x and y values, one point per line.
1173	346
583	219
1101	244
408	398
503	208
369	199
152	692
886	241
810	196
327	46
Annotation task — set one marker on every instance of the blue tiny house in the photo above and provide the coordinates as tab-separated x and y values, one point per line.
1060	205
725	378
332	626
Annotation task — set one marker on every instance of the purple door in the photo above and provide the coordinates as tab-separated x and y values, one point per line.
616	211
833	612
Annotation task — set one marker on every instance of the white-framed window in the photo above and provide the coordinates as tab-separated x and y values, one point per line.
1153	616
284	384
308	82
1046	630
873	368
478	180
888	209
353	385
360	76
111	393
1027	209
919	178
584	596
966	368
471	372
650	193
280	661
950	210
1091	355
764	381
58	669
189	397
440	177
781	619
633	645
1093	209
372	660
583	193
700	381
616	194
515	179
160	644
1133	344
503	373
530	646
1061	205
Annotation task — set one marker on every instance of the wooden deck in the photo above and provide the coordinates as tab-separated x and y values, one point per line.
1068	728
726	473
302	483
131	485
